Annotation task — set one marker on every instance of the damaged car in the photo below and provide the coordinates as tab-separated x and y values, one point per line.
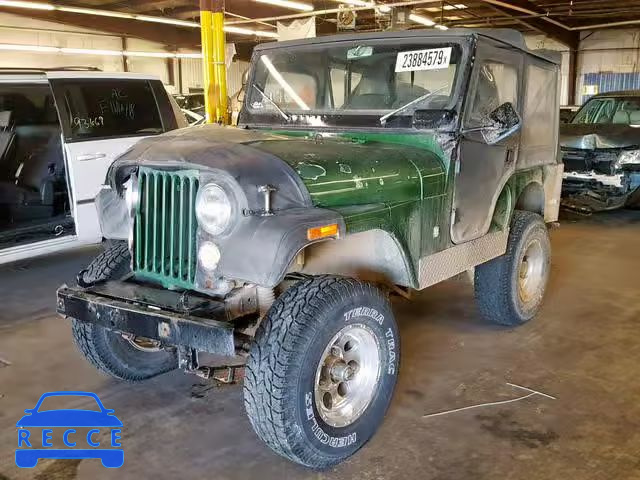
601	154
364	165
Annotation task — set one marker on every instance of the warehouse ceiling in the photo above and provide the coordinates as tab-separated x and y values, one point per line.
561	20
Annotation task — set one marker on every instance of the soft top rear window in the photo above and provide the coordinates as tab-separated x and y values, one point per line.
100	109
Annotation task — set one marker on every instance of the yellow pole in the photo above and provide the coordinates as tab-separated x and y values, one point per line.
222	114
208	69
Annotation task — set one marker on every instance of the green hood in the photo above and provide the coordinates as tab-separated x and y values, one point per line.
361	169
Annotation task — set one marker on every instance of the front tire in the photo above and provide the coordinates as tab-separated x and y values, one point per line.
509	289
129	359
322	370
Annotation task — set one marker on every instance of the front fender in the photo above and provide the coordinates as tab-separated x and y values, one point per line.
262	248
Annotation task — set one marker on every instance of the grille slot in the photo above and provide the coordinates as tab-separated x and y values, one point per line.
584	161
164	243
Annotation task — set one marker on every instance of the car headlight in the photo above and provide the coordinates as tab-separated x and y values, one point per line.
213	209
208	255
629	157
132	195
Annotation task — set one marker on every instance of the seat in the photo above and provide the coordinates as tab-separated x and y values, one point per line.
372	93
634	117
369	101
7	142
405	93
621	117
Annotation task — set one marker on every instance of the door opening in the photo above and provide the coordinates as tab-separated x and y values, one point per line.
34	196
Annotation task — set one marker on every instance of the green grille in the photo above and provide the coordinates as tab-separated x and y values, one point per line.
164	242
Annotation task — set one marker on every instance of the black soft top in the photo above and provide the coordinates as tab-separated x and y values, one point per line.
507	36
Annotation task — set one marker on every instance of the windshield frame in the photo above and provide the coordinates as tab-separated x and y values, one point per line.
361	118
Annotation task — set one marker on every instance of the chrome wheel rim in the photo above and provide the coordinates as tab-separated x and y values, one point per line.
347	375
532	271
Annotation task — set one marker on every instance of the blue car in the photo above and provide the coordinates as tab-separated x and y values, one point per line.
68	419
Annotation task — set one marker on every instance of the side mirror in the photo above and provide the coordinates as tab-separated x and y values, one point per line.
502	122
245	77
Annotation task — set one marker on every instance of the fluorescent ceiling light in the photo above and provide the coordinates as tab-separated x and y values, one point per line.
289	4
457	6
32	5
421	19
88	51
128	53
91	11
167	20
188	55
28	48
441	27
248	31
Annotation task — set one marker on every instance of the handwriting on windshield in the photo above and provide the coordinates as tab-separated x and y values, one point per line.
88	123
118	105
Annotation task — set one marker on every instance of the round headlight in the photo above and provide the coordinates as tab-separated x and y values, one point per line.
208	255
213	209
131	194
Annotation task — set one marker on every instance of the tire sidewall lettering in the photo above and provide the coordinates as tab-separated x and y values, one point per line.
379	319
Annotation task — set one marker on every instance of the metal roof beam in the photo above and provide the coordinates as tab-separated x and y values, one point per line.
540	23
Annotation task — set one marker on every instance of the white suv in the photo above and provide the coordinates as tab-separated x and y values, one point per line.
59	132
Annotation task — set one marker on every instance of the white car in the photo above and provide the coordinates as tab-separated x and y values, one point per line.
59	133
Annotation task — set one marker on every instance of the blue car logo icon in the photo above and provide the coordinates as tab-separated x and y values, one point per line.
28	453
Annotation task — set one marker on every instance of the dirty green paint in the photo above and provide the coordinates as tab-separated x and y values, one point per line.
395	182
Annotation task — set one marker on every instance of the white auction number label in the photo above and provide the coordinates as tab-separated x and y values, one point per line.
429	59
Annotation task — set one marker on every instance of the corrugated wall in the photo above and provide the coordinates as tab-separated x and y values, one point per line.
192	75
609	60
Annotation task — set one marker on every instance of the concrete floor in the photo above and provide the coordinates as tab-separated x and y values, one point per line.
583	349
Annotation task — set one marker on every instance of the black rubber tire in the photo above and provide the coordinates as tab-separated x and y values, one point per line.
280	373
109	351
496	281
113	263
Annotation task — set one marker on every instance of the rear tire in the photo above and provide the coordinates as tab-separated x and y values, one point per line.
509	289
108	351
322	370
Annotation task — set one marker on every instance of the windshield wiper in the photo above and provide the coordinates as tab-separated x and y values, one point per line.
276	106
384	118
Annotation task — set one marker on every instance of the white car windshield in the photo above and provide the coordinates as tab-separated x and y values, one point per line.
610	110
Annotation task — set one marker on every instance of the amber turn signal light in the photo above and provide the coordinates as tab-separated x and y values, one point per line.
322	232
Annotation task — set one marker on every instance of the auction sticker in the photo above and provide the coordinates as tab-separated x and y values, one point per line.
429	59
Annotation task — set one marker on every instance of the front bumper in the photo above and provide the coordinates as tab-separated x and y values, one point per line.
172	318
594	192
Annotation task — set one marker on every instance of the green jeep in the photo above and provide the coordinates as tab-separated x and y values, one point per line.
364	165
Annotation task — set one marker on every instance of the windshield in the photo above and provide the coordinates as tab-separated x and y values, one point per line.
610	110
374	79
